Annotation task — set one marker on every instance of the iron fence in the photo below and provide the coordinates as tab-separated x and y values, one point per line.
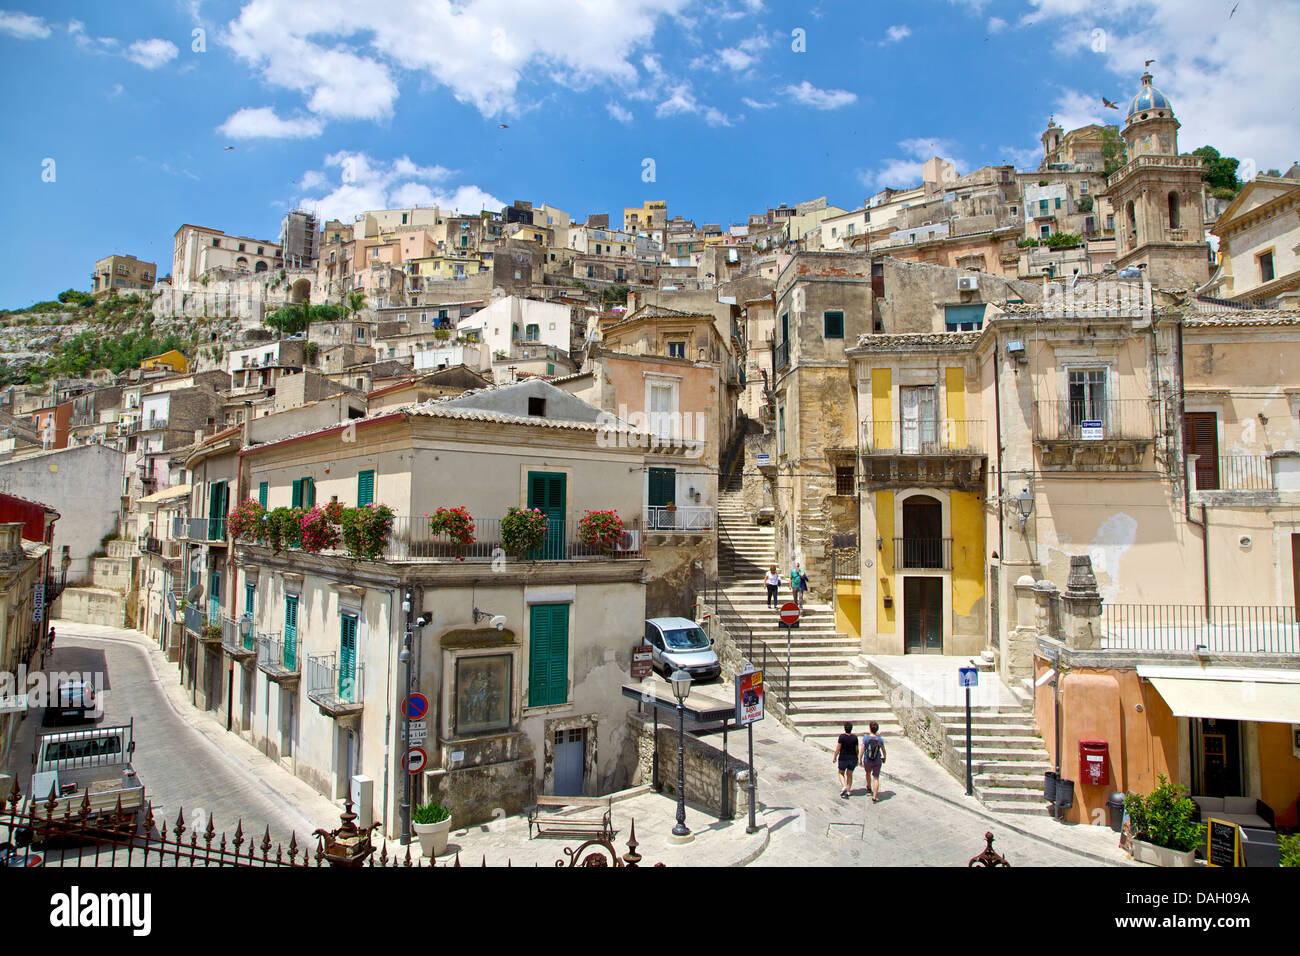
195	619
1096	419
926	436
207	529
1191	627
923	553
332	684
781	356
846	564
412	540
1236	473
663	518
275	655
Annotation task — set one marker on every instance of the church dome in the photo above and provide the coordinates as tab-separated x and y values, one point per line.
1148	98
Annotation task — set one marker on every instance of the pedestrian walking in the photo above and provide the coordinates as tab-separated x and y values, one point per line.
773	581
799	584
846	759
51	638
873	758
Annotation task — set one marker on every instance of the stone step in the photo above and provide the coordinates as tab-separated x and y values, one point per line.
842	710
1025	768
985	742
1013	806
828	739
979	718
1031	783
955	731
983	756
1004	795
829	694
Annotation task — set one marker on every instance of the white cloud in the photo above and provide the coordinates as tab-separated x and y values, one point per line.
364	183
1202	59
809	95
681	100
481	50
619	113
756	105
1024	159
116	90
152	53
263	123
905	172
740	57
1074	108
896	33
24	26
996	25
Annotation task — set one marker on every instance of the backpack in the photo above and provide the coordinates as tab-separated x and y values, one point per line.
872	749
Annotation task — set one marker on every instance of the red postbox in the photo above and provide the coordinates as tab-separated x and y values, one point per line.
1094	763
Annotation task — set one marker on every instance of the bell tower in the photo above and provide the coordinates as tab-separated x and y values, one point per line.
1159	198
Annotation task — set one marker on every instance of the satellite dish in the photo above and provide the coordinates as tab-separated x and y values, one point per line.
195	593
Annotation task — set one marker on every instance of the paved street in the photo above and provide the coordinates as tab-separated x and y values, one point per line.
185	758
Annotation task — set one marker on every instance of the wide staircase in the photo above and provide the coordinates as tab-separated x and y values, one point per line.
1007	756
826	689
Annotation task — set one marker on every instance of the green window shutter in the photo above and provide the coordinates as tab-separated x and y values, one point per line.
249	591
296	501
548	654
348	658
263	493
365	488
309	492
833	325
290	630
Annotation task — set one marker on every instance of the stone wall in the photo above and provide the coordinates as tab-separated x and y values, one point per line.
703	766
679	565
474	794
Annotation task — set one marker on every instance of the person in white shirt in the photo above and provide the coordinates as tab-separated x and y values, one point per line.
773	581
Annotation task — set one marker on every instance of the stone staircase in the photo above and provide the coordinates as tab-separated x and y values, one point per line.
826	688
1007	756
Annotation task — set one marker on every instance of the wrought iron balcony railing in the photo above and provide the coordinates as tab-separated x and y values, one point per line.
923	553
1240	629
335	689
1093	420
932	436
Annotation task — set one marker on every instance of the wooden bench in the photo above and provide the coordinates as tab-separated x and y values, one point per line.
598	821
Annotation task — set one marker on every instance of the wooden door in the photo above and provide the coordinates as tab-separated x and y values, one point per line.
1201	437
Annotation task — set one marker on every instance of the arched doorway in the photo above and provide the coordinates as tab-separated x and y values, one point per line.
922	548
261	266
301	289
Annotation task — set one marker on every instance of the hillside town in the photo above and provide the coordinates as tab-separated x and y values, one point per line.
439	481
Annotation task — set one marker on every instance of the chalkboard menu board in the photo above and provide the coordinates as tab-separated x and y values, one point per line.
1223	840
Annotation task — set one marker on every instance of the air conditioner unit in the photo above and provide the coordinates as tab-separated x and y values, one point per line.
967	283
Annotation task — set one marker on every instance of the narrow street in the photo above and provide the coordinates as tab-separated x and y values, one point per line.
184	759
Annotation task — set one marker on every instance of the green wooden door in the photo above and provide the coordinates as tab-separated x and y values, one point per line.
249	593
290	657
546	493
548	654
662	491
348	659
217	500
263	493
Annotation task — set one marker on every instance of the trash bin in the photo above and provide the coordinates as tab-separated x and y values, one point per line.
1259	847
1049	786
1115	808
1064	793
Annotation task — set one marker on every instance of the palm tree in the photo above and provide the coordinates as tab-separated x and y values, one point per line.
356	302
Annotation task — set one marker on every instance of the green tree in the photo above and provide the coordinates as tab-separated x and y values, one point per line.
1113	153
356	302
1220	172
614	295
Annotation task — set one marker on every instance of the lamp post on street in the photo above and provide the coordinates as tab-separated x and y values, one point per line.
681	682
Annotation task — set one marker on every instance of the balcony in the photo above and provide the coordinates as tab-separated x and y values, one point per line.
931	554
336	691
277	658
240	646
195	620
1223	629
411	540
151	546
207	529
659	518
1093	435
940	436
934	452
781	356
1235	473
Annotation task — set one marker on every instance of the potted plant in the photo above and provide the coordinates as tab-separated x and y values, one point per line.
671	506
456	524
432	825
1163	831
316	531
366	530
283	528
600	530
523	530
247	521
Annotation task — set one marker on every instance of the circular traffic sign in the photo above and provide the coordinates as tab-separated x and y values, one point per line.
416	706
789	613
416	758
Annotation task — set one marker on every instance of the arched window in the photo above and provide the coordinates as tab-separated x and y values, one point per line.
1132	219
1173	210
260	267
922	532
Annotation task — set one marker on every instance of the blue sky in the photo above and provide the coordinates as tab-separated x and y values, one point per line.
343	106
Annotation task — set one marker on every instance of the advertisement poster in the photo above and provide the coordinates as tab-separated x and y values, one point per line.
749	697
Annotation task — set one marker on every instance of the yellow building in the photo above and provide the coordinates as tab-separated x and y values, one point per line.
122	274
172	359
646	219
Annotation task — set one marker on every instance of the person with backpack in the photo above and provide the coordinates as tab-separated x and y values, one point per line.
773	581
846	759
799	584
873	758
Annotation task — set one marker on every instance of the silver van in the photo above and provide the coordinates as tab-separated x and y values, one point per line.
679	642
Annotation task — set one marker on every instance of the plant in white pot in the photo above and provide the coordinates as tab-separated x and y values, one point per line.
1164	833
432	825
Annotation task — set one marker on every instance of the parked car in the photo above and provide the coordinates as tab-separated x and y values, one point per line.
74	700
680	643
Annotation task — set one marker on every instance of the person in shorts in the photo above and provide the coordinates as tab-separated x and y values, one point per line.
873	758
846	759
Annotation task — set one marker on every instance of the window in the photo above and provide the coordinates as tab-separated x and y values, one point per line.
365	487
677	350
1173	210
532	332
1201	437
249	592
548	654
844	479
217	243
1266	267
348	658
290	649
964	318
1087	396
241	247
833	325
1042	207
361	335
780	430
1058	202
263	491
304	493
919	407
536	407
590	272
1083	187
1044	231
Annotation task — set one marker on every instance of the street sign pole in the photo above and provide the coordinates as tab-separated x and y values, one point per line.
970	788
753	790
787	668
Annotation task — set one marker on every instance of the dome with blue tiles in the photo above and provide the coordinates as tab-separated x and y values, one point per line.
1148	98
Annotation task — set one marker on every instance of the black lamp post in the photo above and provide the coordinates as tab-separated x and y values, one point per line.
681	682
1025	504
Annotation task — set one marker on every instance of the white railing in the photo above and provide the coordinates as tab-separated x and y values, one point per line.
663	518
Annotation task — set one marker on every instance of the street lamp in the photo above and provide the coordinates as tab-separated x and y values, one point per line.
681	682
1025	503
